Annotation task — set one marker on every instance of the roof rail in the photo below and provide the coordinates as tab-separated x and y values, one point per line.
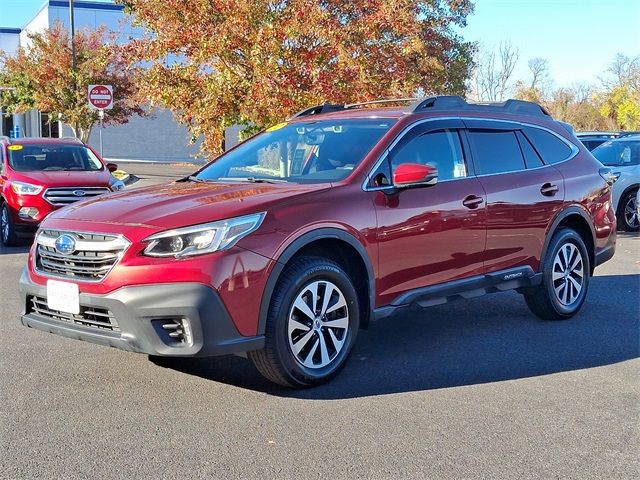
315	110
334	107
375	102
454	102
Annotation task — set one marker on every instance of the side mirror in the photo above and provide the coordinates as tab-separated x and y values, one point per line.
414	175
112	167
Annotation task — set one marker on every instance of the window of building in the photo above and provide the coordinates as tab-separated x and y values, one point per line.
49	127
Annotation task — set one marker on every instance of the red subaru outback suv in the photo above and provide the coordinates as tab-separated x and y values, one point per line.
289	243
40	175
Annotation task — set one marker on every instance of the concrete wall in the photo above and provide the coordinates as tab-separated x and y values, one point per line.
157	137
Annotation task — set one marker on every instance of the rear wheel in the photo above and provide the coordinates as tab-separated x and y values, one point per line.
565	278
311	326
7	228
627	213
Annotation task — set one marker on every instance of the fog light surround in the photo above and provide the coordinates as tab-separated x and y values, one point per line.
28	212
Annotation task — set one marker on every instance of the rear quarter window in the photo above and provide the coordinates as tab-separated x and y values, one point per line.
548	146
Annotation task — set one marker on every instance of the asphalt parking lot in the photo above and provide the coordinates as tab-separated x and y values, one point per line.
475	389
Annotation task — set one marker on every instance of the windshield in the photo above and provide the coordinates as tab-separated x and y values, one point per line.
619	153
30	158
305	152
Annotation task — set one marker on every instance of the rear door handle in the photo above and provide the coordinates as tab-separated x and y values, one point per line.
549	189
472	201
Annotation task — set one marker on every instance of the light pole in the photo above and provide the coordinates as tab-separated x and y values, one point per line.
72	31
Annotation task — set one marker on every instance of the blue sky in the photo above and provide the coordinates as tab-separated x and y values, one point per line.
579	38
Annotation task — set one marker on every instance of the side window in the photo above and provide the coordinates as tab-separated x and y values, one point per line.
496	151
548	146
2	160
531	158
442	149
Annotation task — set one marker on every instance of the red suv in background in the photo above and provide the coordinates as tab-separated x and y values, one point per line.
286	245
39	175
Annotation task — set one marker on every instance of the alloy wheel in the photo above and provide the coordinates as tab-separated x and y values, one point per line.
318	324
568	274
631	213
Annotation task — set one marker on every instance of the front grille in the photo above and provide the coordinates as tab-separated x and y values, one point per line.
94	317
67	195
95	255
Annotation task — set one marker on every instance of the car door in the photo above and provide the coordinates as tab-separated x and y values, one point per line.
432	234
523	193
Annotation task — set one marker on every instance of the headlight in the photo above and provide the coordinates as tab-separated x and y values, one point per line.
205	238
117	185
22	188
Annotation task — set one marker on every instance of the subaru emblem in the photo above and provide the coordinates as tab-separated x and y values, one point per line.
79	193
65	244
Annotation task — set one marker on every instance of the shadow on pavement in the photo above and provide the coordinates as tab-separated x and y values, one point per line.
489	339
23	248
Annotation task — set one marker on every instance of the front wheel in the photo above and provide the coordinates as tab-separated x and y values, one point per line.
628	213
7	228
565	278
311	326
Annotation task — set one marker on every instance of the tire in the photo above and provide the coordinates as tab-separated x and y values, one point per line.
561	295
627	213
301	351
7	228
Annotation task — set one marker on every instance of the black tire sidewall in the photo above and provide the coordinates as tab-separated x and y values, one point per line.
10	236
320	270
622	219
560	239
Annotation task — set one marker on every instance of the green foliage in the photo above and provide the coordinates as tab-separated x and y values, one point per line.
43	77
254	62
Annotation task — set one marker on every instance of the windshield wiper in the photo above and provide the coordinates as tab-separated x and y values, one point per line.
253	179
193	178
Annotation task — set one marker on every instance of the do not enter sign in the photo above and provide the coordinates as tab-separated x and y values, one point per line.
100	97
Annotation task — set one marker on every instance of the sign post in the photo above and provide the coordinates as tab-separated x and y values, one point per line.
100	98
101	117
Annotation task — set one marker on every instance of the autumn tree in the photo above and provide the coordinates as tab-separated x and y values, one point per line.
621	100
42	77
216	63
491	80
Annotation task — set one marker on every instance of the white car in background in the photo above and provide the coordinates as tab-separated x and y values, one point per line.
623	156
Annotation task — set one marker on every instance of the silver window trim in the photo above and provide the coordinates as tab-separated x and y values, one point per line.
574	148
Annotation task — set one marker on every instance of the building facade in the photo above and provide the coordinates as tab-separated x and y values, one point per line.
155	137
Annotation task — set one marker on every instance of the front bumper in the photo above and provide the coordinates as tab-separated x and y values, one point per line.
140	311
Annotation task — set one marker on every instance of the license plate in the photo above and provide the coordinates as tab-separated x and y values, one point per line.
63	296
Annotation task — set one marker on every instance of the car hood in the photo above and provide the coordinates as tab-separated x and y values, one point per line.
61	178
180	204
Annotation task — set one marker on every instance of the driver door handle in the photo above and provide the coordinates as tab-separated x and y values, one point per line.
472	201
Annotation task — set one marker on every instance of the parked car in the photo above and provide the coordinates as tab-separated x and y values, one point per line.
592	140
623	156
40	175
286	245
